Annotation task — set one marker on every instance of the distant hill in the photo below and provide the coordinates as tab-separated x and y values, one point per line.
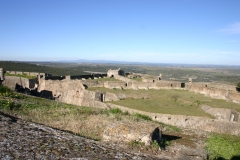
30	67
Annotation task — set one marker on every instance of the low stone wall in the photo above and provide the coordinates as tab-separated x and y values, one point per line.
115	84
201	123
121	78
27	73
11	81
222	113
235	97
143	85
93	83
214	92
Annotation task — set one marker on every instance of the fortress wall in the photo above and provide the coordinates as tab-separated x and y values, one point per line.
168	85
60	86
91	83
112	97
72	92
114	84
11	81
215	92
27	73
234	96
218	113
202	123
141	85
121	78
36	74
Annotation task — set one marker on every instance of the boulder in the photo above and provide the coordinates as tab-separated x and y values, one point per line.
129	131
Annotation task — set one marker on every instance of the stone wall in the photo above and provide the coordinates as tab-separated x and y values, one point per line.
93	83
92	76
1	74
121	78
114	84
72	92
214	92
143	85
11	81
222	113
27	73
201	123
113	73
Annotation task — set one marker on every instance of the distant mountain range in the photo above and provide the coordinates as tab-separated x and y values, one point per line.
144	63
136	63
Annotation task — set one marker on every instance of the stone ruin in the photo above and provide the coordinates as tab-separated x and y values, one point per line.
190	80
1	74
112	73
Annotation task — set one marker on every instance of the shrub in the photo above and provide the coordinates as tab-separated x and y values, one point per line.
144	117
115	111
6	92
238	85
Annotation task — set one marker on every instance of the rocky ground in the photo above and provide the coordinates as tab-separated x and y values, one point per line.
20	139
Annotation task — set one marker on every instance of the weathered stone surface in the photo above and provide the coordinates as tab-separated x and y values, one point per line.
11	81
130	131
222	113
25	140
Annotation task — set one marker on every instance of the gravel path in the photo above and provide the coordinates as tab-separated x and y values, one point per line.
21	139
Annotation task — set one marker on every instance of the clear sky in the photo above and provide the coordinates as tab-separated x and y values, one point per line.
162	31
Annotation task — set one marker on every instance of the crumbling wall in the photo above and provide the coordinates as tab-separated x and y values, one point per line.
70	91
142	85
11	81
168	85
1	74
27	73
235	97
222	113
121	78
113	73
201	123
214	92
91	83
114	84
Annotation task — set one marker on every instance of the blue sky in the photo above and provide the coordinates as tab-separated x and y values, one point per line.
158	31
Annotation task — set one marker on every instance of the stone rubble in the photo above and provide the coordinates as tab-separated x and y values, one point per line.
21	139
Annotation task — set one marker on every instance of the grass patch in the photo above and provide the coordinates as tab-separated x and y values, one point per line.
6	92
138	79
223	146
178	102
141	116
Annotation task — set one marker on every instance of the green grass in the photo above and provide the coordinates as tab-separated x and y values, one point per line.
20	75
223	146
178	102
